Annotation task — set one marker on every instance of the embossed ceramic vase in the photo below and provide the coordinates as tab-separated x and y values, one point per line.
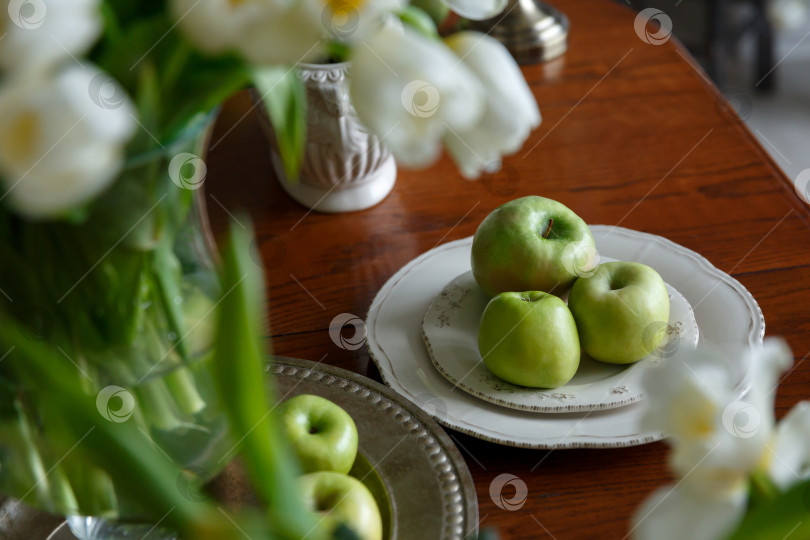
345	167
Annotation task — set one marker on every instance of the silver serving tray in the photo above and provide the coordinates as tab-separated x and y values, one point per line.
429	488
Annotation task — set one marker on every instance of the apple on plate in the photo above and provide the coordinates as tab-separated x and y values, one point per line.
530	339
531	244
615	308
342	500
322	434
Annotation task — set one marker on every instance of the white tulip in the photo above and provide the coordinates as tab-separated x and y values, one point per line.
696	405
62	139
411	90
39	33
718	441
265	32
511	110
476	9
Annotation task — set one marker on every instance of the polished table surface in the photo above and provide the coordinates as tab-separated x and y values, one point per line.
633	135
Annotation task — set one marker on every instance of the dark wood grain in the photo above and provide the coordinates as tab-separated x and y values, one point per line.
633	134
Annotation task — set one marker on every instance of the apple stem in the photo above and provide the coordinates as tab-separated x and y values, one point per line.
548	229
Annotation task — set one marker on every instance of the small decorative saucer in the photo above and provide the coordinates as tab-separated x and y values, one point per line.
450	331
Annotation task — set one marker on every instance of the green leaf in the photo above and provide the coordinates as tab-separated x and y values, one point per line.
786	516
238	364
420	21
761	490
127	10
139	39
169	81
337	51
284	98
202	84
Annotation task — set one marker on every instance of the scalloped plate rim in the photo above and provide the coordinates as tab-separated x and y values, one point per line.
754	336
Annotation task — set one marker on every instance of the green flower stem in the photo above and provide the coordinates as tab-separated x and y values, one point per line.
33	474
93	487
178	386
39	486
105	501
154	403
167	274
62	495
118	447
157	404
27	469
184	391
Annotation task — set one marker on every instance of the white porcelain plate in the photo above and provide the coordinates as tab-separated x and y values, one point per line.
726	313
450	331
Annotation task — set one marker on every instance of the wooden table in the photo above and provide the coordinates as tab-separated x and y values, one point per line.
633	135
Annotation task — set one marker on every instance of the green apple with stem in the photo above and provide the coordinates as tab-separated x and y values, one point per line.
615	308
323	435
342	500
530	339
531	244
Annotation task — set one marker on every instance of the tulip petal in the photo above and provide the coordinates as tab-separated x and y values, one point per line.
766	366
674	513
686	392
477	9
790	459
511	110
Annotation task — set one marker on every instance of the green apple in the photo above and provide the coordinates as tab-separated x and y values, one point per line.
530	339
531	244
322	434
614	309
342	500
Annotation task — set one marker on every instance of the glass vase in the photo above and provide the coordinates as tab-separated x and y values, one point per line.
125	290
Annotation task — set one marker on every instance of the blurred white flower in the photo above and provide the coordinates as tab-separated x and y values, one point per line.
58	145
511	110
718	441
411	90
696	405
476	9
265	32
40	33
